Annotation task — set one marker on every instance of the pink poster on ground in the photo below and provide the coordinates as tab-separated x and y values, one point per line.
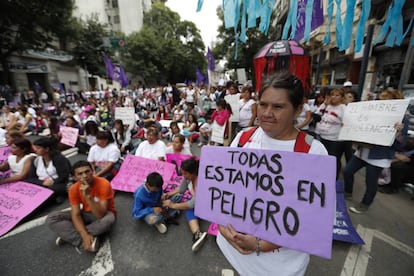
134	171
177	177
17	200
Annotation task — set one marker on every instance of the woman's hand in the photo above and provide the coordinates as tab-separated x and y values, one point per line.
245	244
167	203
48	182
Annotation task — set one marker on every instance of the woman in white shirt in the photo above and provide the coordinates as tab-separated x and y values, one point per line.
19	161
279	103
247	108
104	155
152	148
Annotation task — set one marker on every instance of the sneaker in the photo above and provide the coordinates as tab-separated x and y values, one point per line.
59	241
161	227
198	240
358	210
95	244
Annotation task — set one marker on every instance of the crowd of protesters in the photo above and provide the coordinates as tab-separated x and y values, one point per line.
190	113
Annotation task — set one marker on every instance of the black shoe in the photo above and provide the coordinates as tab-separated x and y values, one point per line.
170	221
198	240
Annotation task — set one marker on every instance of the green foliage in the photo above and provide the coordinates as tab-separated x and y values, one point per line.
33	24
166	49
89	47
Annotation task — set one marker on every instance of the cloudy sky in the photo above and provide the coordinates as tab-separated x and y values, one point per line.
206	20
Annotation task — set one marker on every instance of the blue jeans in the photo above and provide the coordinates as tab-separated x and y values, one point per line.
371	178
335	148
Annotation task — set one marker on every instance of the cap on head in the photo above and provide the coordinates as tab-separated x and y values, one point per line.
347	84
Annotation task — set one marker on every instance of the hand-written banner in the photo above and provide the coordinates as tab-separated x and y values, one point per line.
4	154
17	200
343	228
372	121
69	135
217	134
234	101
134	170
126	114
177	177
283	197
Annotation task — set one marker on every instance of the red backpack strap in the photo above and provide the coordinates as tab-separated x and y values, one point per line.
303	142
246	135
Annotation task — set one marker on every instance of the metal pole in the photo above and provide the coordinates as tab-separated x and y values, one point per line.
365	59
86	78
408	63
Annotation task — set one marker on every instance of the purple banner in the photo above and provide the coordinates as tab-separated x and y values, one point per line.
17	200
317	18
283	197
134	171
343	228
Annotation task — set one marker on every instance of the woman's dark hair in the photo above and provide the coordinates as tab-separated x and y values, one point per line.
122	130
105	135
285	80
225	105
191	165
24	144
50	143
153	130
91	128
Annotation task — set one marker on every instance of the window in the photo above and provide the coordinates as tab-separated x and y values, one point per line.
114	3
116	19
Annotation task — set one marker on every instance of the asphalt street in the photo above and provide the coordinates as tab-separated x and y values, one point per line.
134	248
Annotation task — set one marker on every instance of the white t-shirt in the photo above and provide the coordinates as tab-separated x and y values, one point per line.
302	116
331	122
185	150
245	112
151	151
284	261
44	172
101	156
190	95
17	167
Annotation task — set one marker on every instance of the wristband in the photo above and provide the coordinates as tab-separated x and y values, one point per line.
258	249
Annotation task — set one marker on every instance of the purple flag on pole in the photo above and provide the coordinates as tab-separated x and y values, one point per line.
109	66
317	17
123	77
211	63
199	77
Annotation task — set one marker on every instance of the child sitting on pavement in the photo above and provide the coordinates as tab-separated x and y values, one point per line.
148	205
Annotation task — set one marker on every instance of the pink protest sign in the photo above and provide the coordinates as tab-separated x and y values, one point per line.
134	171
69	135
4	154
176	178
17	200
283	197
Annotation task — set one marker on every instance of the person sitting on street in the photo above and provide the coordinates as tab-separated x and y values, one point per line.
83	225
189	170
50	168
104	155
148	205
19	161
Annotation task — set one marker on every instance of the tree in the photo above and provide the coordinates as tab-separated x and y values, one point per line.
166	49
89	45
225	47
32	25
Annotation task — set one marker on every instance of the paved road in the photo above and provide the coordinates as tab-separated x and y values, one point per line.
133	248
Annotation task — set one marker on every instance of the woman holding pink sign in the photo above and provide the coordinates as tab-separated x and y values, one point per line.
279	104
